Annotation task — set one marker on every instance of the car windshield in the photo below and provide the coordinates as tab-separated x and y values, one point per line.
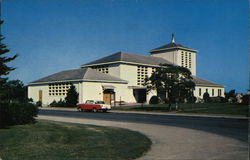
90	102
99	102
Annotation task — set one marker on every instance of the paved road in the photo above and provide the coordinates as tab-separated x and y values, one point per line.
174	137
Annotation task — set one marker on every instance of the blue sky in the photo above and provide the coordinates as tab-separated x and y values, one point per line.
55	35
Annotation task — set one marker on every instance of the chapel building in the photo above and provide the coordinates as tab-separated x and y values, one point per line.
120	77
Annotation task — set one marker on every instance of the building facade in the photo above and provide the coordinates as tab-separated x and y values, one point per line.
120	77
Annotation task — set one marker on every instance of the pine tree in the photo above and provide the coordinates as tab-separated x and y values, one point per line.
4	69
5	116
72	97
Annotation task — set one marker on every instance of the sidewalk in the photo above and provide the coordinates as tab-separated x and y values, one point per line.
155	113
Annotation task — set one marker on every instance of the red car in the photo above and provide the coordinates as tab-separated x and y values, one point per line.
91	105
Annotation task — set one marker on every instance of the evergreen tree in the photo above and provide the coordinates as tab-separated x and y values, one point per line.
71	98
206	97
16	91
5	116
4	69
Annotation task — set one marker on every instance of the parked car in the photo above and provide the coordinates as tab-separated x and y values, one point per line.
94	106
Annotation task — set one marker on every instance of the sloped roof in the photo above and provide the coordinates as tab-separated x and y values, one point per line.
79	75
128	58
92	74
170	46
202	82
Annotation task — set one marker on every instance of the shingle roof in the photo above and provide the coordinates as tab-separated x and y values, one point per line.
92	74
201	82
79	74
171	45
128	58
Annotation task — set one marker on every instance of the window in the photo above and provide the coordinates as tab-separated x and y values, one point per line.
153	69
142	73
182	58
58	89
102	68
90	102
186	61
190	60
199	91
219	92
212	92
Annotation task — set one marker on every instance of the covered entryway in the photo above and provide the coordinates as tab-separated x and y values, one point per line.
108	94
140	94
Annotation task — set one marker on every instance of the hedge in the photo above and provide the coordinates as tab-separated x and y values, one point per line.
17	113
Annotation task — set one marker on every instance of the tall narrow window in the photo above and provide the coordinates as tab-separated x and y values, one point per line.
190	60
182	59
212	92
219	92
186	61
199	91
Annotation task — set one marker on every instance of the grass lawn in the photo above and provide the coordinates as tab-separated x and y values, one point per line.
201	108
48	140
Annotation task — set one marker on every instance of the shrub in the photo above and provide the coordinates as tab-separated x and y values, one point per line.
245	99
154	100
53	104
164	100
4	115
217	99
191	99
60	103
39	104
17	113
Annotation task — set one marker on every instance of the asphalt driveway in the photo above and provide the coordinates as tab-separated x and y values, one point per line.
174	137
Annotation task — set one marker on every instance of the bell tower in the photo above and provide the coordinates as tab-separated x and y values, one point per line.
177	54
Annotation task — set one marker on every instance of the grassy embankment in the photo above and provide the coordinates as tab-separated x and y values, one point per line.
201	108
65	141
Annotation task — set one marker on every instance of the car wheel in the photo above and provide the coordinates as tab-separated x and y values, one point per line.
79	109
104	110
94	110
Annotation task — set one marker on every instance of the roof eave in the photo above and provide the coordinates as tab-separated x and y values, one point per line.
107	81
210	85
54	81
172	48
121	62
77	80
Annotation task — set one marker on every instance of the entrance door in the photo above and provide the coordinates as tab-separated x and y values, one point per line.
107	98
40	95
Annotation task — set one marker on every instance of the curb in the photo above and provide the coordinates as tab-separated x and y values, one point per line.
156	113
183	114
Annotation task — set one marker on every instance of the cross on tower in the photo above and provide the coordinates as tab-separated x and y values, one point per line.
173	41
